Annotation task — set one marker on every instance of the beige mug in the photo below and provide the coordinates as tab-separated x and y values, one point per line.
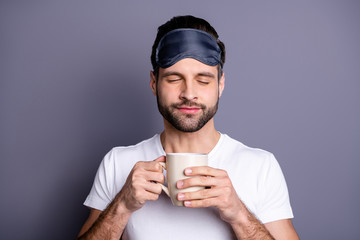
175	165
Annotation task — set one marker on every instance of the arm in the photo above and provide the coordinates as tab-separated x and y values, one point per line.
279	230
282	229
223	196
139	187
93	216
109	224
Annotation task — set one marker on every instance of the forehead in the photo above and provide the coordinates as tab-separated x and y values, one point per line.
188	66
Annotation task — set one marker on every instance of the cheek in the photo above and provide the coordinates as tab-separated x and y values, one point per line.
212	96
166	95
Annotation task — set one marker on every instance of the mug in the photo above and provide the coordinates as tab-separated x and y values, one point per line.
175	165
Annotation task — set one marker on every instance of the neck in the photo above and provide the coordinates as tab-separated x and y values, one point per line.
202	141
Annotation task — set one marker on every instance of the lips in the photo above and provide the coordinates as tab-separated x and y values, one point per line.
189	110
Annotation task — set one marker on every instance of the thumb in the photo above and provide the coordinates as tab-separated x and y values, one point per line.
160	159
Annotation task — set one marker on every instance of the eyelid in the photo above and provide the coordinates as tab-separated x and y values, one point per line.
203	81
173	79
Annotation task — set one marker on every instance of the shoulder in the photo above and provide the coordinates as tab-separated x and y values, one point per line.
236	158
145	150
141	146
239	149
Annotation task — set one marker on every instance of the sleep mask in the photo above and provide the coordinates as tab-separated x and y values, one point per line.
187	43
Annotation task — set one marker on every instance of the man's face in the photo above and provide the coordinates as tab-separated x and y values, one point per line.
188	94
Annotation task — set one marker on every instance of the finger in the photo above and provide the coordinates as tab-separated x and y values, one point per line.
209	202
154	177
156	165
160	159
146	195
205	171
152	166
198	195
199	181
154	188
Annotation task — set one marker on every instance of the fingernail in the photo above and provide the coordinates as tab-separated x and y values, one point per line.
187	203
180	184
180	196
188	171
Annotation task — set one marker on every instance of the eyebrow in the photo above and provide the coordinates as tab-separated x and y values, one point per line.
206	74
170	73
201	74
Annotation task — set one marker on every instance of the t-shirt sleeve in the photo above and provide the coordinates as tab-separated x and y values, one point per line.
100	194
275	202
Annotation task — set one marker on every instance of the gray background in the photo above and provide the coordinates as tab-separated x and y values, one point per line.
74	82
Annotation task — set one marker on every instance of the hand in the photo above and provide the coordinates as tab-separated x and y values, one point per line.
221	193
141	184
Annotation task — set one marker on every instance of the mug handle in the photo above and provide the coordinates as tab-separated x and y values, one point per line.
164	188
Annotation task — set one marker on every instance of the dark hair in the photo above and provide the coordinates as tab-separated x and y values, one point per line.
186	22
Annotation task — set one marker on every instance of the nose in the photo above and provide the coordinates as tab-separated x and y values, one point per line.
188	91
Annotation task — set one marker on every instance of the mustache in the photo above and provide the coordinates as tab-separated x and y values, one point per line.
188	103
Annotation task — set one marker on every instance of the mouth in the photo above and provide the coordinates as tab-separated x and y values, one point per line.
189	110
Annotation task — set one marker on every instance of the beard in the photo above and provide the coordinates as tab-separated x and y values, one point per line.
186	122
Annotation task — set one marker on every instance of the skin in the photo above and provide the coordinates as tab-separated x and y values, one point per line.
193	81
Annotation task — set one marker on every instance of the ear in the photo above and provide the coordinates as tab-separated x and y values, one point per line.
153	82
221	84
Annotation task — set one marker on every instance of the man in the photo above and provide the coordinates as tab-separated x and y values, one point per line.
245	196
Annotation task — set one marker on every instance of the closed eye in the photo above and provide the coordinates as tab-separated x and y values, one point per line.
171	76
204	82
173	80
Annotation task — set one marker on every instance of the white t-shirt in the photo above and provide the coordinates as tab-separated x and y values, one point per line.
255	175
